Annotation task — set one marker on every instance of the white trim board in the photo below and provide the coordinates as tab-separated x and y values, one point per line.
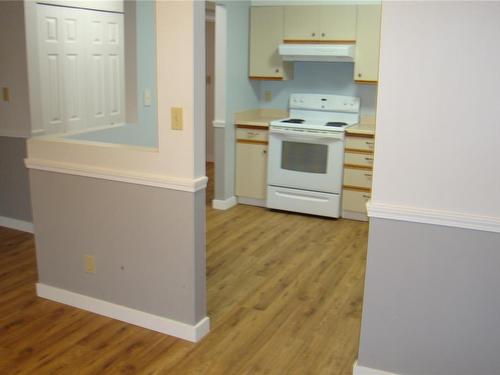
361	370
23	226
14	133
434	217
160	324
131	177
225	204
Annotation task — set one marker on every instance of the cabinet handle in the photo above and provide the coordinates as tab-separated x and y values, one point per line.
359	75
366	196
277	70
323	34
313	34
370	144
264	152
369	159
252	134
368	175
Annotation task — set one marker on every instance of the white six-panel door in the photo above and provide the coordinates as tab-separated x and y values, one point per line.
81	68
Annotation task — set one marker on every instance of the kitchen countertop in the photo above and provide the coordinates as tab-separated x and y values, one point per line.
362	129
259	117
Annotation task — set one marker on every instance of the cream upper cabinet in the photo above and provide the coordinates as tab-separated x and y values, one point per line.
367	43
266	33
338	23
321	23
302	23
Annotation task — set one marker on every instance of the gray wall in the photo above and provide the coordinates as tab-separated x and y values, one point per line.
431	302
14	182
152	233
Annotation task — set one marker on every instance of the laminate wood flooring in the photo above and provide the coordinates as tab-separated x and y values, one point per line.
284	297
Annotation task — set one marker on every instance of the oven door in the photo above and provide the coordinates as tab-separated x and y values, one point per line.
306	160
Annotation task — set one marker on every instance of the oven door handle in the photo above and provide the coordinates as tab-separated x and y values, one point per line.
307	136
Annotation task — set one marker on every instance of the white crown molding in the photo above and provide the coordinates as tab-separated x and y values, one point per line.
434	217
225	204
139	318
361	370
219	124
23	226
131	177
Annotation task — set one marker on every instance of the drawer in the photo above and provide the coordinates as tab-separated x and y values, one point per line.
355	200
358	177
360	143
362	159
251	134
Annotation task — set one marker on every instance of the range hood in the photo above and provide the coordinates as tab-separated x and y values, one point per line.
317	52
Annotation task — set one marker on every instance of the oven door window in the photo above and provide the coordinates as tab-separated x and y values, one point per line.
304	157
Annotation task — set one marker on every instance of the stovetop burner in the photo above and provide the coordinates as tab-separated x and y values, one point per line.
294	121
336	124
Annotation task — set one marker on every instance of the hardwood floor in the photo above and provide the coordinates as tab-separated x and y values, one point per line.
284	297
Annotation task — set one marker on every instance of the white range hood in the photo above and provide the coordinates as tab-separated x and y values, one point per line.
317	52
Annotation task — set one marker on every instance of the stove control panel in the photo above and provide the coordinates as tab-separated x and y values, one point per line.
320	102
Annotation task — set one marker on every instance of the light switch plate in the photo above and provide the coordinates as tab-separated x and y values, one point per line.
176	118
147	98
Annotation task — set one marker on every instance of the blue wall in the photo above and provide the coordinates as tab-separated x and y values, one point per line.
145	132
321	78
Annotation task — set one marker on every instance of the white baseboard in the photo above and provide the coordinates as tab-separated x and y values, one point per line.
160	324
252	201
24	226
361	370
434	217
225	204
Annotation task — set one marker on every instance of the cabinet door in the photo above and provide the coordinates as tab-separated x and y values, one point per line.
338	23
266	33
302	23
251	170
367	43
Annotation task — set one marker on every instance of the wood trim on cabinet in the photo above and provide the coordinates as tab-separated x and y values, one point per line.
254	127
266	78
356	188
362	167
358	135
319	41
365	82
250	141
359	152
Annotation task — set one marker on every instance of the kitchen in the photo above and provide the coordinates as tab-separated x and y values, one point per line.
319	50
295	279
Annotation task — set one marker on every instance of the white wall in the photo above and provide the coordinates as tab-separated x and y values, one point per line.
14	114
438	131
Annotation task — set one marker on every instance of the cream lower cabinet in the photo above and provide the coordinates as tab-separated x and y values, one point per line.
367	43
358	172
266	33
251	164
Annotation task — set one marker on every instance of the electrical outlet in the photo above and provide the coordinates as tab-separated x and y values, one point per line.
5	94
268	96
176	118
89	264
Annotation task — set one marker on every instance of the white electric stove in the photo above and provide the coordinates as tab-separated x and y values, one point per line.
306	154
